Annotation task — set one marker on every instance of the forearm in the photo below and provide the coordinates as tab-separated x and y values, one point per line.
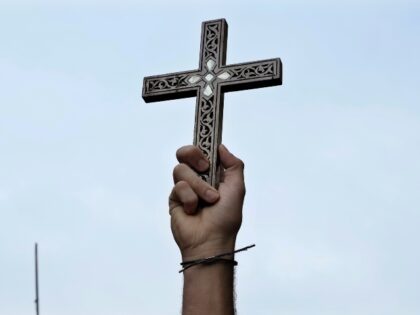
208	290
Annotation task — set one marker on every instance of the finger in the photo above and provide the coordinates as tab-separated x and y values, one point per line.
183	172
193	157
234	167
183	195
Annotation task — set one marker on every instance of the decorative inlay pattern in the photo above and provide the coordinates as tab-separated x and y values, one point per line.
211	40
256	71
168	83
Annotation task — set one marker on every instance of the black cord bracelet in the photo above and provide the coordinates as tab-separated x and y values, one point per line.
213	259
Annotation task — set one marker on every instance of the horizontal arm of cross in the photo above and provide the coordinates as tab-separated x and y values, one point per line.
251	75
169	86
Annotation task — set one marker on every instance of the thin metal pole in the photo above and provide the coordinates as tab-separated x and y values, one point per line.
36	280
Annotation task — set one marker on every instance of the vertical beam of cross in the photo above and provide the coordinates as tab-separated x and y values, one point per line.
208	84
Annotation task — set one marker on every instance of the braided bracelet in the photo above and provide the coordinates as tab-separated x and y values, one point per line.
213	259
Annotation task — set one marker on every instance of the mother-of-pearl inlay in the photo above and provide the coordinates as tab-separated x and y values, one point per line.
208	77
194	79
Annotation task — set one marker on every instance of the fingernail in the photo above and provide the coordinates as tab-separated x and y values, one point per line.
212	195
203	164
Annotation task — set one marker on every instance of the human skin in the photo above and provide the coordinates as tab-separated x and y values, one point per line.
201	232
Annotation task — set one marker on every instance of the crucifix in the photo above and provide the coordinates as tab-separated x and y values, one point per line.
209	83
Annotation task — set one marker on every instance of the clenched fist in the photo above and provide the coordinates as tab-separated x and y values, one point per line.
202	231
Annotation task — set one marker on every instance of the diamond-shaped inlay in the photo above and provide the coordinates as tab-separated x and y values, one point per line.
194	79
210	64
207	90
224	76
209	77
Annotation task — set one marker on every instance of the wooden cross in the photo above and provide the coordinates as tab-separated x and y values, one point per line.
209	83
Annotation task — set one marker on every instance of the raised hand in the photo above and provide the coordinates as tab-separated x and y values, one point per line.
202	231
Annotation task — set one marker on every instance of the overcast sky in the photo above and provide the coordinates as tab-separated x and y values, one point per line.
332	156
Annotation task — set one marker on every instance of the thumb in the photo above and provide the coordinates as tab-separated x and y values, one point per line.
233	166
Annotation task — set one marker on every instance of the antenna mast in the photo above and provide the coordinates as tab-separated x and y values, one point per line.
36	280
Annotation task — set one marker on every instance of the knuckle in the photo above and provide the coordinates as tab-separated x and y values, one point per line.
191	200
178	170
181	185
240	164
180	152
183	152
172	200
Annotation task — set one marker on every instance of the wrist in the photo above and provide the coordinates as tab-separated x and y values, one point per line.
210	248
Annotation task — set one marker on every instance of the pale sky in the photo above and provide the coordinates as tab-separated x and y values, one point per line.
331	156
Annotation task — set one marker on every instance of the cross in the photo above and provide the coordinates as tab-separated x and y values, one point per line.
209	83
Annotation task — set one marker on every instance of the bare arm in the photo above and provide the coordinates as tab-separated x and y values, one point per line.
205	231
